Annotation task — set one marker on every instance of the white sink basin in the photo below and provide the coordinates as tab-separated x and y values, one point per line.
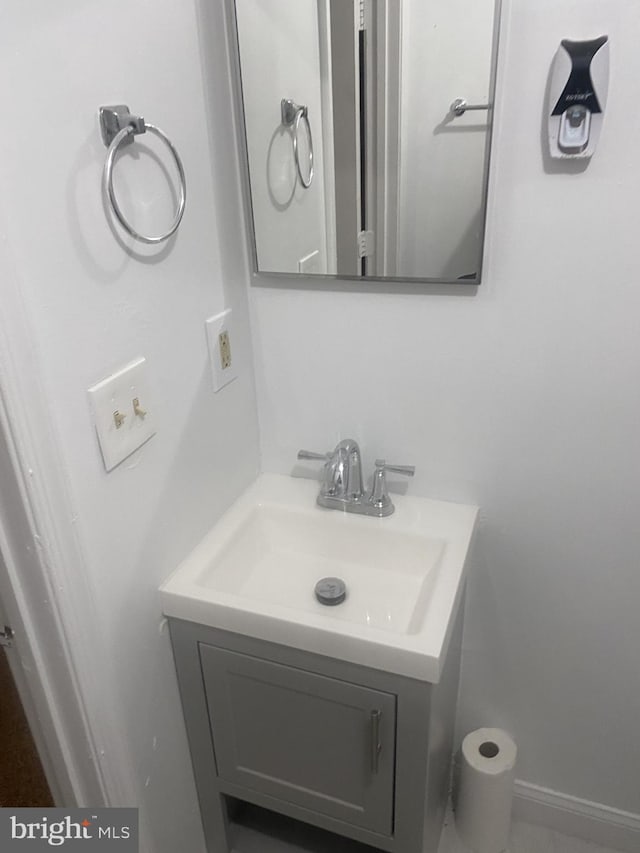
256	570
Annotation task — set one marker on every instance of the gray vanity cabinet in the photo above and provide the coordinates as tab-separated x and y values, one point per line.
318	742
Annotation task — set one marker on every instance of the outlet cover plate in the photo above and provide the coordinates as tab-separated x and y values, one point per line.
117	393
215	327
310	264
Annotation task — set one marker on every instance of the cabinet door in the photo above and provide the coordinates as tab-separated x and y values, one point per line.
317	742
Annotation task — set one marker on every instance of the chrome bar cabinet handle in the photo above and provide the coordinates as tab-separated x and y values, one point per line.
376	746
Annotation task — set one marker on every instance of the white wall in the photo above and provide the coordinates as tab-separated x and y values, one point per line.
446	54
90	305
521	396
280	58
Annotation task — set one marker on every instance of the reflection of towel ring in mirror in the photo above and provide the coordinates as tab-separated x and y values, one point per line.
294	114
118	128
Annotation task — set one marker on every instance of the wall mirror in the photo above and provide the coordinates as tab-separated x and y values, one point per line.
367	127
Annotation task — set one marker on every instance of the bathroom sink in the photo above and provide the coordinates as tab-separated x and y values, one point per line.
255	573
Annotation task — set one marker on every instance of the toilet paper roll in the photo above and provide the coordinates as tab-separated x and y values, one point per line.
485	791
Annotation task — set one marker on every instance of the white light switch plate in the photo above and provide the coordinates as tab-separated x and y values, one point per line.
310	263
217	326
114	397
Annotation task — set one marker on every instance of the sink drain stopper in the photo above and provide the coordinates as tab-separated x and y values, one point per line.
331	591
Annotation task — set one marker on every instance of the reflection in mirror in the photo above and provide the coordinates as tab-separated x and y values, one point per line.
367	128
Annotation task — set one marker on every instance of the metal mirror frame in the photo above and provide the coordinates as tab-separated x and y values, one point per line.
318	279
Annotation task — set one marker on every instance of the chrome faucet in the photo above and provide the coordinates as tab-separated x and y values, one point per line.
342	487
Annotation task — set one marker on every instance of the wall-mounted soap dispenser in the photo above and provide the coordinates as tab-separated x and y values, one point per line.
577	97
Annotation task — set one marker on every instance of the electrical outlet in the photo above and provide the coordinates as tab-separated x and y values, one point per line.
225	350
310	263
220	339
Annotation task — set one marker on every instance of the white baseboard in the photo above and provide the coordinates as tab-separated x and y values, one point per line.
594	822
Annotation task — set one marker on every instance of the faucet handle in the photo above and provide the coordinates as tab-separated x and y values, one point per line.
309	454
379	498
407	470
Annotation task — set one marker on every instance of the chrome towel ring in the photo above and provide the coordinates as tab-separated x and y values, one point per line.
119	127
292	115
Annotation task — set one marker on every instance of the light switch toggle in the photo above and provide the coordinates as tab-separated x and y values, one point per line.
137	408
123	412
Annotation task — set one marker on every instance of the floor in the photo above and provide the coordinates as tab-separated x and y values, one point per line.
264	832
22	782
525	838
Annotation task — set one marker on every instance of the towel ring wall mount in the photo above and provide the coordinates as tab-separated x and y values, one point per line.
292	115
119	126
